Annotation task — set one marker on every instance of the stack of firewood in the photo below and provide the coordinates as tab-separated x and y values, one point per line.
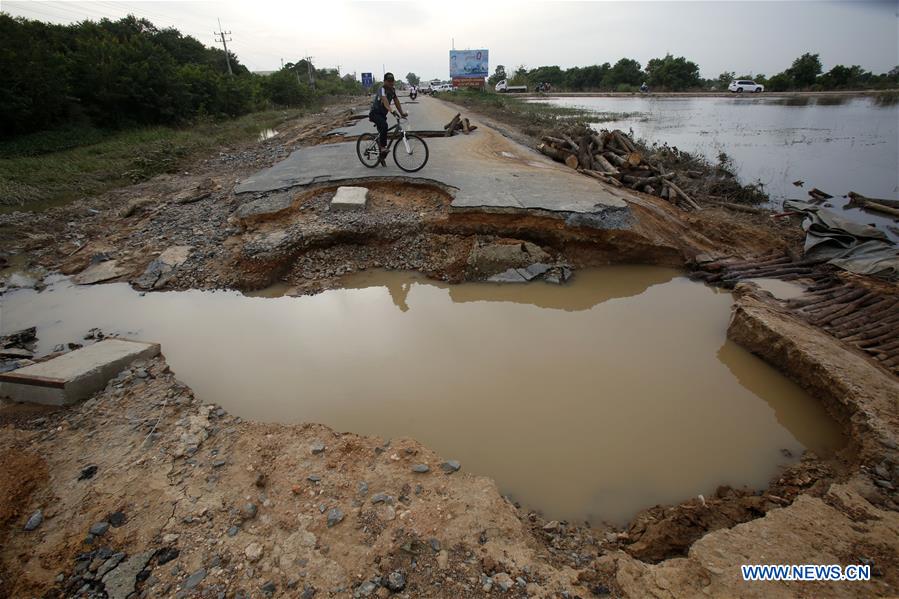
458	124
613	158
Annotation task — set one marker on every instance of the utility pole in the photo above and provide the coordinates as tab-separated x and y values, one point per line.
220	37
308	60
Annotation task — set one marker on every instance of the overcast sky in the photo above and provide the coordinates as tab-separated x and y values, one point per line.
747	37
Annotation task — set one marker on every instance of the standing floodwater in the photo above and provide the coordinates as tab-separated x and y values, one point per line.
835	143
594	399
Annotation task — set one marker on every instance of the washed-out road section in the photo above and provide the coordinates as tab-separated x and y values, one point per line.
484	171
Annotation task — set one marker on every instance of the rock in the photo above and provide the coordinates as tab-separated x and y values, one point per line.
98	273
308	592
317	447
120	581
335	516
386	513
420	468
141	373
396	581
194	579
268	588
99	529
219	463
381	498
232	532
166	554
503	581
116	519
349	198
35	520
551	525
248	511
88	472
435	545
490	259
253	552
313	478
362	488
443	559
365	589
450	466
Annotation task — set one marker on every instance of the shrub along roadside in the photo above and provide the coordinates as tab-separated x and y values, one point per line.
33	179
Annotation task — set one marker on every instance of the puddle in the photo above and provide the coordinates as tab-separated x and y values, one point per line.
783	290
267	134
587	401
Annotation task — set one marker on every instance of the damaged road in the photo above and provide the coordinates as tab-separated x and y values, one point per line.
148	488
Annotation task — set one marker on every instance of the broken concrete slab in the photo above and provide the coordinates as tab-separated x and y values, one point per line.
76	375
160	270
494	258
97	273
350	198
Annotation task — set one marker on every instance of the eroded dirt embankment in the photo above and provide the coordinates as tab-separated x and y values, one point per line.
203	503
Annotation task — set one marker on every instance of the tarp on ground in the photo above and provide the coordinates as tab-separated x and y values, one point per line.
846	244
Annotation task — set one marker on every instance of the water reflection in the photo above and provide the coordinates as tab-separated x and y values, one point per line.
624	393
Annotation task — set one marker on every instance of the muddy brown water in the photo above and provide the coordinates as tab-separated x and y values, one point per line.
586	401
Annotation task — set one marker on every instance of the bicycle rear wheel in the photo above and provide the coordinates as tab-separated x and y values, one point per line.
367	149
410	154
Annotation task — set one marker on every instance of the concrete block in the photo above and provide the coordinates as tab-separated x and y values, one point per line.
76	375
350	198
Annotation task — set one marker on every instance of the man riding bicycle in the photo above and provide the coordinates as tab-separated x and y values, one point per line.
380	106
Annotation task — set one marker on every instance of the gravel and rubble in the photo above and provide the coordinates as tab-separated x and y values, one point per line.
146	490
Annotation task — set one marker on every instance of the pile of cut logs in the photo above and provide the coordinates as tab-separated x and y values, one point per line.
860	312
613	158
458	124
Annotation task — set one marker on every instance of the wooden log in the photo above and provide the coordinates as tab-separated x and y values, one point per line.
602	164
451	126
857	197
571	161
558	141
822	319
843	299
554	153
822	295
737	207
466	126
614	158
600	144
634	158
817	194
872	341
876	207
571	142
623	141
681	193
839	296
878	307
602	177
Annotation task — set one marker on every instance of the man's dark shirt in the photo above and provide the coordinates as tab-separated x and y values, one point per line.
377	106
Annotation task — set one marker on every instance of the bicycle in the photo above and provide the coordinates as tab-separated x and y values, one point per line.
413	156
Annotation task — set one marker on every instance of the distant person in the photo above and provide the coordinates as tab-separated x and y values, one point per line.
380	107
644	88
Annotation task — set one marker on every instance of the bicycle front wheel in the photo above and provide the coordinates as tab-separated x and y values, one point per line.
367	149
411	153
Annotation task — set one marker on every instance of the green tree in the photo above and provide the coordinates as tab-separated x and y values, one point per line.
498	75
413	79
805	70
520	76
626	71
672	73
780	82
552	74
724	79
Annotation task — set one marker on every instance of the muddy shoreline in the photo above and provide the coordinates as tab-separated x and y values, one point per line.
165	474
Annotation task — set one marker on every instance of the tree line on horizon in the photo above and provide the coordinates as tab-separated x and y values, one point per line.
671	73
116	74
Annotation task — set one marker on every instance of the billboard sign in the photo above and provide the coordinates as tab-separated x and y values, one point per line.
468	64
468	82
367	80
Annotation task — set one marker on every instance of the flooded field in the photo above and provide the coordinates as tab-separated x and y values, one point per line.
586	401
837	144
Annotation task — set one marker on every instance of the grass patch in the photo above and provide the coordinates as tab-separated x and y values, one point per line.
531	118
52	168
